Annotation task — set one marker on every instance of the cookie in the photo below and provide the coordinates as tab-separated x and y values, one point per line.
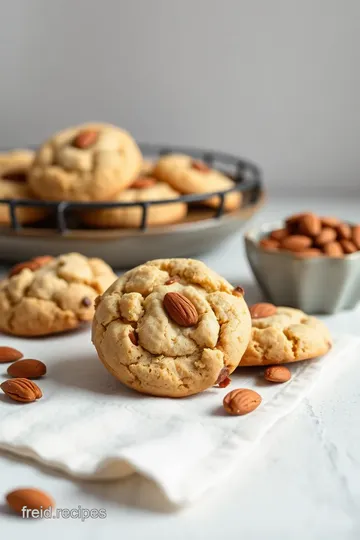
289	335
49	295
173	344
147	190
187	175
14	168
91	162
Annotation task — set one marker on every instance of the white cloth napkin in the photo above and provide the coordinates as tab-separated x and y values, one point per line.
89	425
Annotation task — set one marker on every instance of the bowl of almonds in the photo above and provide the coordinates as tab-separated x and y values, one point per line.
307	261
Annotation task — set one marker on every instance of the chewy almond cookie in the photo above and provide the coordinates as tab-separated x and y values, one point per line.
187	175
169	327
284	335
49	295
144	189
14	167
91	162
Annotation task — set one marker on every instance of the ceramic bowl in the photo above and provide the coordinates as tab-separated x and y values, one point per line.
314	285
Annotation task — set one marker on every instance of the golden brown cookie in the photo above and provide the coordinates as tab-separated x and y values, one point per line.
289	335
91	162
158	214
49	295
14	167
170	327
187	175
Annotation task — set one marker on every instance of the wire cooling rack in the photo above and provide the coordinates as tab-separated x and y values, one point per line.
246	175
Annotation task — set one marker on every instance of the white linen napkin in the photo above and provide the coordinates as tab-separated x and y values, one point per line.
89	425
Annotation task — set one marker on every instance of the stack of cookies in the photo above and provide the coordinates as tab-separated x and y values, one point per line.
101	162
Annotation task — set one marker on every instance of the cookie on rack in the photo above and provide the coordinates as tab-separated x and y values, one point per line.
48	295
91	162
188	175
171	327
14	167
282	334
144	189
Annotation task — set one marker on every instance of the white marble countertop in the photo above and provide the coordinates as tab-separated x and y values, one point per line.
303	480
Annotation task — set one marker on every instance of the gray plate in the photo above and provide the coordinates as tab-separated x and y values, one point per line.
122	248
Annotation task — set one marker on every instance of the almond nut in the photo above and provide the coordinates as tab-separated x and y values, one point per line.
241	401
309	253
174	279
348	246
356	236
85	139
327	235
330	221
269	244
291	220
262	310
238	291
278	234
223	379
42	260
200	166
277	374
143	182
133	338
343	231
8	354
28	369
31	498
333	249
180	309
296	242
21	389
310	225
30	265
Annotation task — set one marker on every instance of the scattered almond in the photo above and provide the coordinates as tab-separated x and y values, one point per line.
269	244
241	401
21	389
200	166
143	182
238	291
277	374
85	139
31	498
327	235
180	309
296	242
8	354
333	249
278	234
261	310
310	225
28	368
348	246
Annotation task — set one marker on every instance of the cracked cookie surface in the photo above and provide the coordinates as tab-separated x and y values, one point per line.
55	297
287	336
145	349
71	167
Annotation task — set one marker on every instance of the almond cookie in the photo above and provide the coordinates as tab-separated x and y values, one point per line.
288	335
14	168
169	327
91	162
144	190
188	175
49	295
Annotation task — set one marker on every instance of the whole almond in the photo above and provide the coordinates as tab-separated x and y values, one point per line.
42	260
261	310
223	379
327	235
278	234
133	338
31	498
241	401
8	354
143	182
238	291
296	242
269	244
343	231
356	236
348	246
21	389
180	309
333	249
294	219
28	368
330	221
30	265
277	374
309	253
200	166
85	139
310	225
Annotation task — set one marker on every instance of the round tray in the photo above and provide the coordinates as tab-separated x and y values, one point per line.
202	230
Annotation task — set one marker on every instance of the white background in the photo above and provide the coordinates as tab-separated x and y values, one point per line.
277	81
